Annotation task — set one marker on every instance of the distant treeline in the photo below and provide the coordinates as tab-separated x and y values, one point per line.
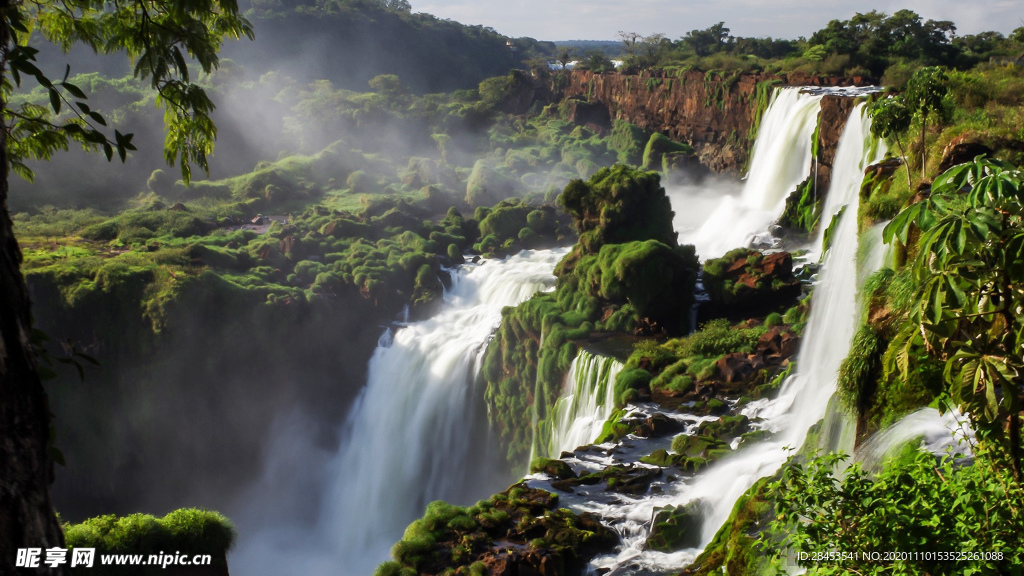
870	44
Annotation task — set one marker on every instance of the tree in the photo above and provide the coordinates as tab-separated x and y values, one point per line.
629	41
565	55
707	41
970	305
925	91
596	61
890	117
160	36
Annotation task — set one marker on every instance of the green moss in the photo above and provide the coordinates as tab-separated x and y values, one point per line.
803	208
189	530
734	548
658	146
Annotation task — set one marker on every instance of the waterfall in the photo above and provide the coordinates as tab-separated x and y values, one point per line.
937	433
587	401
801	402
413	434
781	160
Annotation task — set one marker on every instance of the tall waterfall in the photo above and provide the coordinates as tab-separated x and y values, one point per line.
781	159
413	433
803	399
587	402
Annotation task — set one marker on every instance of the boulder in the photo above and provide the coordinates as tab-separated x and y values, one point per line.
746	283
676	527
960	150
657	425
735	367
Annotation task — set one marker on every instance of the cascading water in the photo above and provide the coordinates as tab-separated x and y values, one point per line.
801	402
781	159
587	402
937	433
409	438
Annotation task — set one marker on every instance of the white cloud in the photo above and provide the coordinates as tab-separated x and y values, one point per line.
601	19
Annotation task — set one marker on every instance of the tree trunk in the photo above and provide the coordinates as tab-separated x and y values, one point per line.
906	164
924	153
27	519
1015	447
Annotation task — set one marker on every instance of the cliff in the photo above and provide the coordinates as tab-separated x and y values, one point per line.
716	114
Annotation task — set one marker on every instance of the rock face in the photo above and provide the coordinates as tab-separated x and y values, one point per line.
712	113
831	121
960	150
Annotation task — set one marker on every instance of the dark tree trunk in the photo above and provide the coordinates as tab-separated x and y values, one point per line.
27	519
1014	441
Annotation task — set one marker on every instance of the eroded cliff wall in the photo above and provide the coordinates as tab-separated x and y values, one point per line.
716	114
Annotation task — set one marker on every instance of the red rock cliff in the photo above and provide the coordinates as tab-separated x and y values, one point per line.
711	112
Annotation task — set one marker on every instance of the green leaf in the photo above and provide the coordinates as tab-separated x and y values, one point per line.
97	118
73	90
55	101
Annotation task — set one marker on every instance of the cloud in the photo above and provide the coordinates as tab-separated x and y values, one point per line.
601	19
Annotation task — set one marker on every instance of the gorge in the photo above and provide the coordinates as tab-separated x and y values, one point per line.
653	320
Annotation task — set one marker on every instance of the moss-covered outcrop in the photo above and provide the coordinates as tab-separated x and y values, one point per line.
189	532
519	531
734	548
626	274
745	283
190	320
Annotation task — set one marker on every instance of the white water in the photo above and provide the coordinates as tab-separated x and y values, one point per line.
587	401
410	436
781	160
801	402
940	434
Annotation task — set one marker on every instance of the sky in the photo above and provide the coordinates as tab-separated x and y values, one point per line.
602	19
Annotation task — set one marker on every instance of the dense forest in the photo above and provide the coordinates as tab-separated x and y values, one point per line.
203	336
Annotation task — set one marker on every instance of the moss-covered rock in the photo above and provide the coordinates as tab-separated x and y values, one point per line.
660	148
746	283
520	530
190	531
487	185
676	527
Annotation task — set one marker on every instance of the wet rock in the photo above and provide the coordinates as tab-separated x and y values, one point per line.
694	446
554	468
657	425
725	428
675	527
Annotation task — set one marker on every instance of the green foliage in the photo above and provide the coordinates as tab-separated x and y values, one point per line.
939	507
486	185
860	370
926	90
803	207
628	140
618	204
188	530
890	118
158	53
968	308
